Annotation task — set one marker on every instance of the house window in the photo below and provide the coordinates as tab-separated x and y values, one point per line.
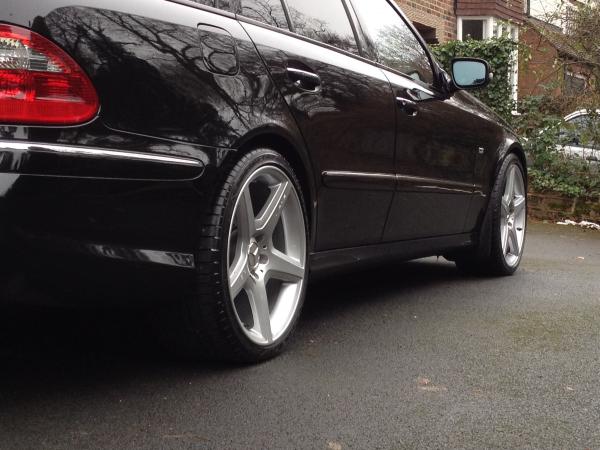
473	29
429	34
574	83
481	28
478	28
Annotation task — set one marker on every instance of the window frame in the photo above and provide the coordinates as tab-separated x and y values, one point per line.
232	15
364	55
568	74
487	31
351	20
373	55
256	21
210	9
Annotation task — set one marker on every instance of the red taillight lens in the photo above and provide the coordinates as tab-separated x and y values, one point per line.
40	84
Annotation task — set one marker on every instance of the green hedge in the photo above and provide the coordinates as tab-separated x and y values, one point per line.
499	52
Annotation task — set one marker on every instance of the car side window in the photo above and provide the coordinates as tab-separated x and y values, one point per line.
270	12
323	20
267	11
395	44
205	2
582	130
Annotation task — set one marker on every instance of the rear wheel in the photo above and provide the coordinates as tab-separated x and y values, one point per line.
508	203
252	276
266	255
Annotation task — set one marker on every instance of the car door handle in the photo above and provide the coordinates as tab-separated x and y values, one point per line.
304	79
410	107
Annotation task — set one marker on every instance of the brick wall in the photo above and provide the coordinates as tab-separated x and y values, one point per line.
438	17
545	66
540	69
434	14
502	9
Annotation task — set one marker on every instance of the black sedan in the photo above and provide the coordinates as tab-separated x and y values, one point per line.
207	156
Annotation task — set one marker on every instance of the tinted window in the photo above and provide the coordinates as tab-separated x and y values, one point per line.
396	45
323	20
266	11
583	130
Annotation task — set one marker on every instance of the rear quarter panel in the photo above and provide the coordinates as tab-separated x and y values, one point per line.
157	95
147	63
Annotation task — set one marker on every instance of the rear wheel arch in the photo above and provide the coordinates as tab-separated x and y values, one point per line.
298	160
205	322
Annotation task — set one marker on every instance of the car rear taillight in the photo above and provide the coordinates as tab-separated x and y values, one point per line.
40	84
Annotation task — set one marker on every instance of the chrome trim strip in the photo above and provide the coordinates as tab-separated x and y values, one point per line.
349	180
433	183
359	180
97	153
366	175
160	257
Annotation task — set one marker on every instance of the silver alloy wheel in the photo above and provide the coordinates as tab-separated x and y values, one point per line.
513	216
266	255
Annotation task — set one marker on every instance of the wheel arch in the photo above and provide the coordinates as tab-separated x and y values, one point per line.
293	151
517	149
510	146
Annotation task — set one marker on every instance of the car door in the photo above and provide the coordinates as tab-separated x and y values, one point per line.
344	109
438	141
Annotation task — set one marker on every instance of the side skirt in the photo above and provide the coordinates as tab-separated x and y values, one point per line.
358	257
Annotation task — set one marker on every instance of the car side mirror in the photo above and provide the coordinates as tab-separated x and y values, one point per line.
470	73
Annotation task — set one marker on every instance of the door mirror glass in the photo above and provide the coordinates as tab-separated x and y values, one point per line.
470	73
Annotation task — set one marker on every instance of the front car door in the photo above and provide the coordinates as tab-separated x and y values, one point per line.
438	142
345	111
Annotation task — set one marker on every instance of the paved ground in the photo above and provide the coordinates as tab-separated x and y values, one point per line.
411	356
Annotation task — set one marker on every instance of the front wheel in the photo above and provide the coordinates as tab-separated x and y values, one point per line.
508	209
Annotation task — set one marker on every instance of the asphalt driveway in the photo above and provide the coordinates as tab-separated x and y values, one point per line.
409	356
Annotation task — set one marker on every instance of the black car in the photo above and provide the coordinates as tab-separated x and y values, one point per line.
205	157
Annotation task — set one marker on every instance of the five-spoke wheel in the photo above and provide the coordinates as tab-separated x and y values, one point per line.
513	215
266	254
501	239
252	265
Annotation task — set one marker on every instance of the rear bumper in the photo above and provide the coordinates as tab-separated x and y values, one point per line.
91	223
30	158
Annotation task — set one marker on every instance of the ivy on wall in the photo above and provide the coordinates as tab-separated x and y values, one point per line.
499	53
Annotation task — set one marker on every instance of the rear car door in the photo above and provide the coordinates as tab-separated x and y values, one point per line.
345	111
437	140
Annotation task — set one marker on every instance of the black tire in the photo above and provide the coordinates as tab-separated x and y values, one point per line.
489	258
204	325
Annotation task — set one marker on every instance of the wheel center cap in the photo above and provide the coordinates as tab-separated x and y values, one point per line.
253	256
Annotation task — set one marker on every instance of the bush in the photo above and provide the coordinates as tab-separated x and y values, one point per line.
500	53
550	170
